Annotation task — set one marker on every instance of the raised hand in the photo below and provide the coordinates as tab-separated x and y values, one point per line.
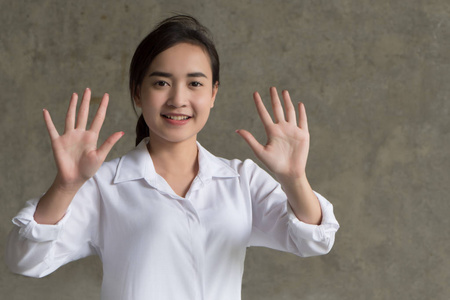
76	154
286	153
286	150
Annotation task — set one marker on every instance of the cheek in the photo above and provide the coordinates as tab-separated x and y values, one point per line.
205	112
204	105
150	100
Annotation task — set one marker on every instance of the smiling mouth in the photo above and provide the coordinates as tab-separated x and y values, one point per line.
176	118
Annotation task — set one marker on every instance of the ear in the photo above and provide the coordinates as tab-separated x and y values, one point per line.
137	97
214	93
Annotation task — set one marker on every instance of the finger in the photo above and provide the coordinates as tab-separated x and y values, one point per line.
290	109
70	117
84	110
262	111
276	105
302	119
100	115
108	144
50	126
251	141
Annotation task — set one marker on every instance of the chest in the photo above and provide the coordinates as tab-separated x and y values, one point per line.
212	214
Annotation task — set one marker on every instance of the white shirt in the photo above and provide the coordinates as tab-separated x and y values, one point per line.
155	244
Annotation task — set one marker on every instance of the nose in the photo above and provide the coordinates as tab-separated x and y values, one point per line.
177	97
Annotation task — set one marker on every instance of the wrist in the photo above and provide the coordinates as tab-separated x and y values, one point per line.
293	181
65	187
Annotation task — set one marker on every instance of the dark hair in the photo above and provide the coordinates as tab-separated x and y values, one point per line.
168	33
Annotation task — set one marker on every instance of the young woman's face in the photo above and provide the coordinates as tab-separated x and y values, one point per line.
177	94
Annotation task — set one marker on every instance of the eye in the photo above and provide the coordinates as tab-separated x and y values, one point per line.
161	83
196	84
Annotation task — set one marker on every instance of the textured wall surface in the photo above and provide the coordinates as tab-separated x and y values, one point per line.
374	76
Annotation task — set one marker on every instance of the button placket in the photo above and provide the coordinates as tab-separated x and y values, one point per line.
194	228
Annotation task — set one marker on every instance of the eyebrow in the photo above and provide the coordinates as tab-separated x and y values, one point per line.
168	75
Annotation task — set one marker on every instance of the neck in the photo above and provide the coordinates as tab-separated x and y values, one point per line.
174	158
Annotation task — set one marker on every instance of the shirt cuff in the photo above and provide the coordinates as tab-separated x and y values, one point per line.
33	231
317	233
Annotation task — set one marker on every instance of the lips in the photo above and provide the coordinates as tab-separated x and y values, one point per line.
176	117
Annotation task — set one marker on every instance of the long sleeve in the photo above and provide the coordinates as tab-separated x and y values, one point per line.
37	250
276	226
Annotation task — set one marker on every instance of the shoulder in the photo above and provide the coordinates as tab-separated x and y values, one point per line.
219	166
108	169
136	164
240	166
246	169
251	176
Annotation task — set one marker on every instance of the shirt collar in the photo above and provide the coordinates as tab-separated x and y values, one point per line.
137	164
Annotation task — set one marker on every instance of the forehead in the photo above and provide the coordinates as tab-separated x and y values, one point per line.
182	57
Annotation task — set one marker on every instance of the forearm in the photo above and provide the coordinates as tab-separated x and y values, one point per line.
302	199
53	205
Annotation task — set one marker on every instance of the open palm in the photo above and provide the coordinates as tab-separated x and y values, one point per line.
76	154
286	150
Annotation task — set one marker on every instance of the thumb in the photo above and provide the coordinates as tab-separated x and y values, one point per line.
251	141
109	143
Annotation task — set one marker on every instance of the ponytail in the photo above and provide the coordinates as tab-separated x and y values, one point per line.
141	130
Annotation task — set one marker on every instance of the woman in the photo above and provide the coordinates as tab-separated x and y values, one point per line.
170	220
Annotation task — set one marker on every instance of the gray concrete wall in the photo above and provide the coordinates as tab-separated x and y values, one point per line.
374	76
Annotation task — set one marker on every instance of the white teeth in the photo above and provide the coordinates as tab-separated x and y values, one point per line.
177	118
